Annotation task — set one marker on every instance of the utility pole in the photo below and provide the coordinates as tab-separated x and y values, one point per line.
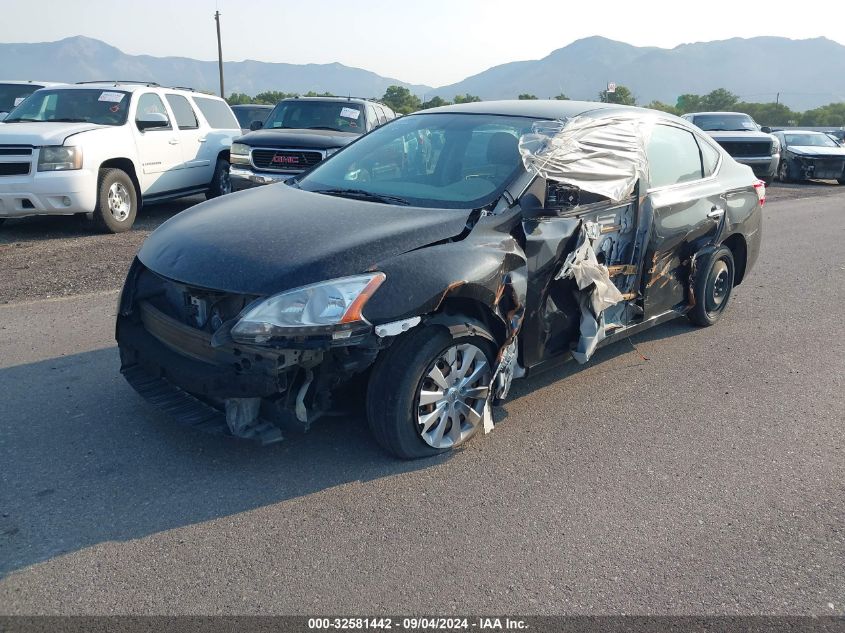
219	53
777	99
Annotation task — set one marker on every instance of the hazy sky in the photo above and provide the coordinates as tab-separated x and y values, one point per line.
433	42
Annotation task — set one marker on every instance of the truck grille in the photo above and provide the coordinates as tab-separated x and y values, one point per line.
747	148
12	150
285	159
14	169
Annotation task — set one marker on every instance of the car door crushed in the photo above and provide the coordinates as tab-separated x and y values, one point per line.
573	255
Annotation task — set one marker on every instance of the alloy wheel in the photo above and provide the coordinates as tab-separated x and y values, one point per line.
120	204
452	396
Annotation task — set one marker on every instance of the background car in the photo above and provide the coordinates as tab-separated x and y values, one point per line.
106	148
12	93
251	116
299	133
810	155
430	263
742	138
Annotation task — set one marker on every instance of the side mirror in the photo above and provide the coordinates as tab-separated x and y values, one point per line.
256	125
766	129
151	121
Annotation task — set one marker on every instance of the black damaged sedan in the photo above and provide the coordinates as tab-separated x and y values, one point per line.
431	262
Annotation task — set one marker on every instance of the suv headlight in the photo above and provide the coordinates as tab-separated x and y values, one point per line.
329	307
239	154
59	158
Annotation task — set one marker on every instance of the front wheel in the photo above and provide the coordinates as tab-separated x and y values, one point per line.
428	392
783	172
712	286
221	183
117	201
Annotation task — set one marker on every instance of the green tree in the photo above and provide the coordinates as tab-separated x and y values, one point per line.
237	98
400	99
467	98
719	100
434	102
833	115
562	97
689	103
663	107
272	97
527	97
311	93
622	96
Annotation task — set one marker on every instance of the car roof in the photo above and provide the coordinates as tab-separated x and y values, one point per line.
539	109
130	86
344	99
719	113
18	82
801	131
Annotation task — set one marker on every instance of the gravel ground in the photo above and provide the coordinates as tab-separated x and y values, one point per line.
46	257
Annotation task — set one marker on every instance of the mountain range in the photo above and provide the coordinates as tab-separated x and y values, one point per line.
806	73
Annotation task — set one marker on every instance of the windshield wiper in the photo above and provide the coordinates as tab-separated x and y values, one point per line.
323	127
19	120
67	120
364	195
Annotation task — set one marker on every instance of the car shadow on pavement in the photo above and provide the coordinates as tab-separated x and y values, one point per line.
86	460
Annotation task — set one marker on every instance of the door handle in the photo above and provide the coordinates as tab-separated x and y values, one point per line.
716	213
173	141
202	140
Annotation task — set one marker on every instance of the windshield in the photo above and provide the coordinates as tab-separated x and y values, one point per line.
725	123
429	160
810	139
103	107
12	95
246	115
342	116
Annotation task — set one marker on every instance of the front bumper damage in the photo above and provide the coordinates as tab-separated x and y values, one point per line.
173	355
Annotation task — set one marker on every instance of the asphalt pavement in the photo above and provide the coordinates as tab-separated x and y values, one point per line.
689	471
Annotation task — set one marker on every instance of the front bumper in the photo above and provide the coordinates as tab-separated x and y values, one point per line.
806	168
48	193
765	167
245	178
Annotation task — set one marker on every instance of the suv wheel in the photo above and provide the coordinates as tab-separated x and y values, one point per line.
117	201
221	183
428	391
783	172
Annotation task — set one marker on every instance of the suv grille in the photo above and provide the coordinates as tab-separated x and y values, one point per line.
285	159
14	169
747	148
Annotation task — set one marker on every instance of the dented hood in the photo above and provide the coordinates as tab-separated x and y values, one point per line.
272	238
42	133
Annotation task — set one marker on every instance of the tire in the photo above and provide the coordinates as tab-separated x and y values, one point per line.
712	286
783	172
400	375
220	183
117	201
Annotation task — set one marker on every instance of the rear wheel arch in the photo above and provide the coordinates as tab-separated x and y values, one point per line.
739	249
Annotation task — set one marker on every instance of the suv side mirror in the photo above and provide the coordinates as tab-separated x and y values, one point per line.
151	121
256	125
766	129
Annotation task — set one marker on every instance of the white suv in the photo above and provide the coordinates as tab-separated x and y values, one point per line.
106	148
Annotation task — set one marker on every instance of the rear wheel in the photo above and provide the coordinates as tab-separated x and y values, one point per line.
428	392
712	286
117	201
221	183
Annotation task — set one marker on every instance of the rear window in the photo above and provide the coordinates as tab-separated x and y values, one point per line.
217	113
186	119
673	156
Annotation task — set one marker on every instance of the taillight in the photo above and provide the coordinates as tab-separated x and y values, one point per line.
760	188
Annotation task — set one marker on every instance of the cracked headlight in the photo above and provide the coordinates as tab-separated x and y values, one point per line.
59	158
329	307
